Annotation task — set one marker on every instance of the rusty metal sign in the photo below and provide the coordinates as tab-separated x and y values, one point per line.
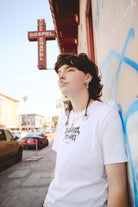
41	36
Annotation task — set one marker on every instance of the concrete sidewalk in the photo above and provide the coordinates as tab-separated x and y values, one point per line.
25	184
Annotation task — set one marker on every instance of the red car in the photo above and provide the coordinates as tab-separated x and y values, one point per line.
35	139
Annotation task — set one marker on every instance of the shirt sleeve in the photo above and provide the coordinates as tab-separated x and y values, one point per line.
113	142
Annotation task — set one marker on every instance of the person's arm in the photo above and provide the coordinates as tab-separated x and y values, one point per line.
117	185
53	175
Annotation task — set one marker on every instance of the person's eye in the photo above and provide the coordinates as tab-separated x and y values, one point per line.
70	70
58	72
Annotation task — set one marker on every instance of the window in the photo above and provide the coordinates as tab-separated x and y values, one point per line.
2	135
9	135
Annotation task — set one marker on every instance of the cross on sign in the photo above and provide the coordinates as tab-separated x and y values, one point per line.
41	36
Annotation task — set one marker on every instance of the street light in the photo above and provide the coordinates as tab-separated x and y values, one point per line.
25	98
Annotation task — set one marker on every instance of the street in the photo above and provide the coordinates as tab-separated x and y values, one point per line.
25	184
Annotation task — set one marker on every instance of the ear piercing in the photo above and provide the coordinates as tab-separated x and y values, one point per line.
87	85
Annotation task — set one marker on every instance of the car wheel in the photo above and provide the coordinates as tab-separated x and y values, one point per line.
19	156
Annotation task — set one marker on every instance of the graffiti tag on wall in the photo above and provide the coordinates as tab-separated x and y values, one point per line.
132	109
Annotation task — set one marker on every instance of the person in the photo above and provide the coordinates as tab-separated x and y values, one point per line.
91	154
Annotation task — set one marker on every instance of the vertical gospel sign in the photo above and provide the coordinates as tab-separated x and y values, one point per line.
41	36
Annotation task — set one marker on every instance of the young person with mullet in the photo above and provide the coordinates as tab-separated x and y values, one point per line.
91	158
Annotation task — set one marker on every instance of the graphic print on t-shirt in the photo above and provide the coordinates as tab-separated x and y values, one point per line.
71	134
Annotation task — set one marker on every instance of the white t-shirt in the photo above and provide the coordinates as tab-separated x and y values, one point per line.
83	150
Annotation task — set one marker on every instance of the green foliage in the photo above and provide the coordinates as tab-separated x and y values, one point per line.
45	127
55	120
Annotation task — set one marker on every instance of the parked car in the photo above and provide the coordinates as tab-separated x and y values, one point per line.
10	148
16	134
35	139
23	134
47	132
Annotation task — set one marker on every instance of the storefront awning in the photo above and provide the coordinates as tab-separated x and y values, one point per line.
65	17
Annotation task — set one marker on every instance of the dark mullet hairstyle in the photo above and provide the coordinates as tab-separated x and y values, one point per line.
82	63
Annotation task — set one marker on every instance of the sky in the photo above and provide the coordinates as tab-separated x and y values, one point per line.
19	74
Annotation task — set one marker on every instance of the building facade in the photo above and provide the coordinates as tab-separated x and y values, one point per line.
107	31
32	122
9	112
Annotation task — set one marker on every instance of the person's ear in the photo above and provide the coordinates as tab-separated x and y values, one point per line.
88	78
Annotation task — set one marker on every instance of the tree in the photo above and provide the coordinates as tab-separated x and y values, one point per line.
45	127
55	120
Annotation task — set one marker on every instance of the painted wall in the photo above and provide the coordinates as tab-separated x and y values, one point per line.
116	54
116	45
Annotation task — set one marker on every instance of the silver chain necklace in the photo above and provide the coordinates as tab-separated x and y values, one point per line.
84	117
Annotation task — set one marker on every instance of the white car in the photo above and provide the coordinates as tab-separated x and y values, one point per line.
17	134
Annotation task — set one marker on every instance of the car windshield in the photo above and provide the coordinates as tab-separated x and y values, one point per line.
35	134
16	132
